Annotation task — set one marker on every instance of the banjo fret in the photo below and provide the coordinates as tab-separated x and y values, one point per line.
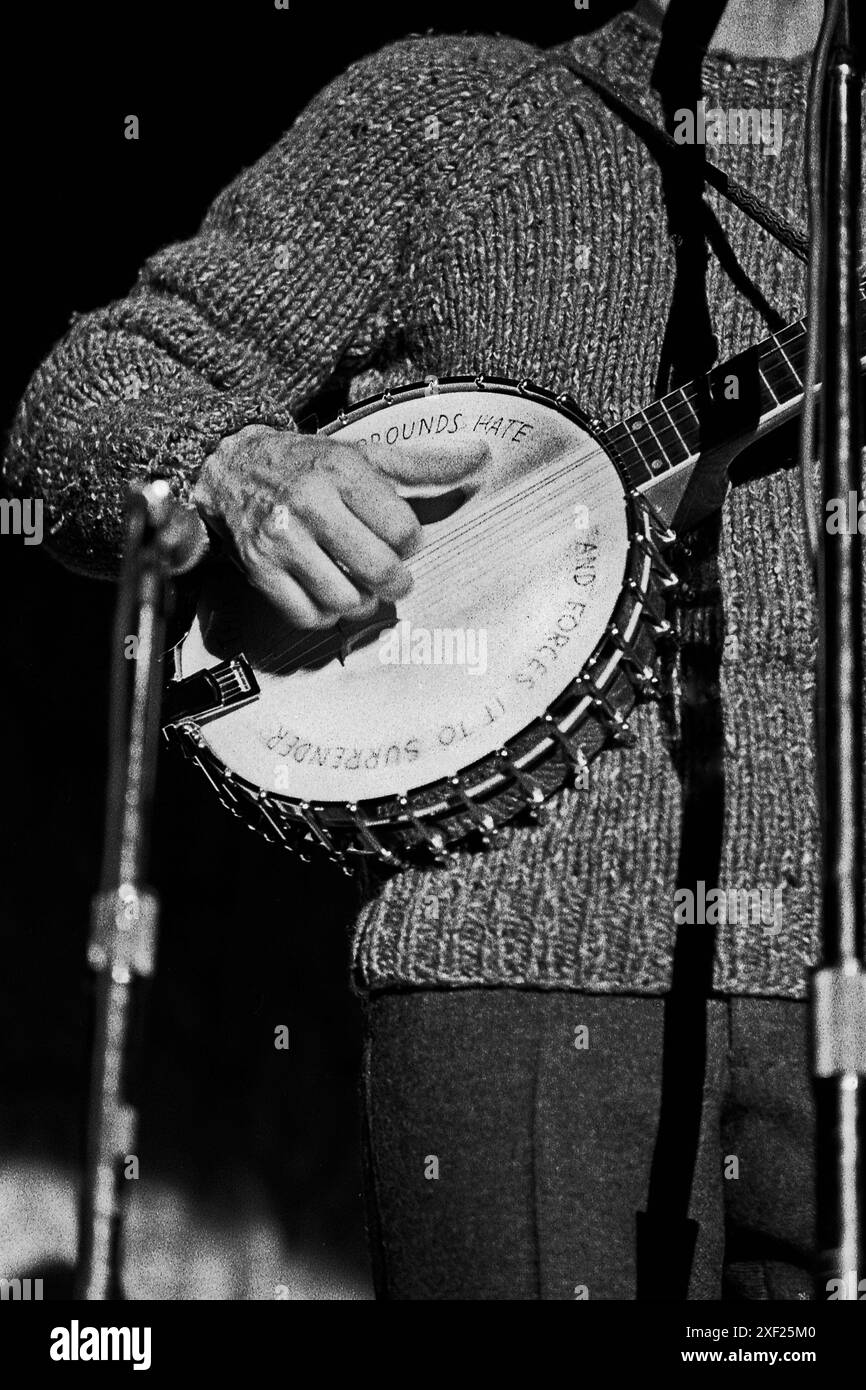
682	424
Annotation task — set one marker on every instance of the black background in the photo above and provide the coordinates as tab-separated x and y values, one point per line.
249	939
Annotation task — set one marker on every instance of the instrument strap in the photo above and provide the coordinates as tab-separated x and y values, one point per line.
794	239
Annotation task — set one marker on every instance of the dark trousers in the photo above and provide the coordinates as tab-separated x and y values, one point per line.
510	1139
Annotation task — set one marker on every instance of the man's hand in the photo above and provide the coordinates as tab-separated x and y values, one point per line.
319	526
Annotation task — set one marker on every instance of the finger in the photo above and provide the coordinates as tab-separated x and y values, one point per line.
374	502
286	594
365	558
433	461
296	551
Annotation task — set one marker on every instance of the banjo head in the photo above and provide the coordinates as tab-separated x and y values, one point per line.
435	717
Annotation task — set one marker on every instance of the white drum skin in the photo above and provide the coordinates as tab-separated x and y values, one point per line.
512	593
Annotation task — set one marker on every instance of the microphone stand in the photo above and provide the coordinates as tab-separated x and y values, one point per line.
838	997
124	912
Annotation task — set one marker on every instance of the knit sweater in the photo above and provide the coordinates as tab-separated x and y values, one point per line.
452	206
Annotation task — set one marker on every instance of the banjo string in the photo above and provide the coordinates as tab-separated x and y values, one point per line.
539	530
503	504
432	561
666	432
550	510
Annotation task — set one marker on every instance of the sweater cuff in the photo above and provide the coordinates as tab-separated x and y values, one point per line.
167	437
173	439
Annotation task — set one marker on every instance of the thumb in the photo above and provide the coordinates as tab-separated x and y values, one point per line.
430	462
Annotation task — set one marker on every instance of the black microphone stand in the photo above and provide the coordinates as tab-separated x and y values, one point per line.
124	913
839	984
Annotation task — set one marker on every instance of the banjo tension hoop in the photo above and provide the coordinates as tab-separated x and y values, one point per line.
516	776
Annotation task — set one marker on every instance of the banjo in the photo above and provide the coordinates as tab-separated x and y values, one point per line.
532	629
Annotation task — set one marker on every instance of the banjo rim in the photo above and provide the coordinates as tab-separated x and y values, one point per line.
588	714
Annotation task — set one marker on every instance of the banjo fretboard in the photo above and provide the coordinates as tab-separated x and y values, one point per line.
729	402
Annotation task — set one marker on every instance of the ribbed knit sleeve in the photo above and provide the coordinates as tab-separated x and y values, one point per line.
302	265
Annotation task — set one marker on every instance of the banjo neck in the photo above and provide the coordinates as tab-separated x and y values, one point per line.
677	451
386	748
